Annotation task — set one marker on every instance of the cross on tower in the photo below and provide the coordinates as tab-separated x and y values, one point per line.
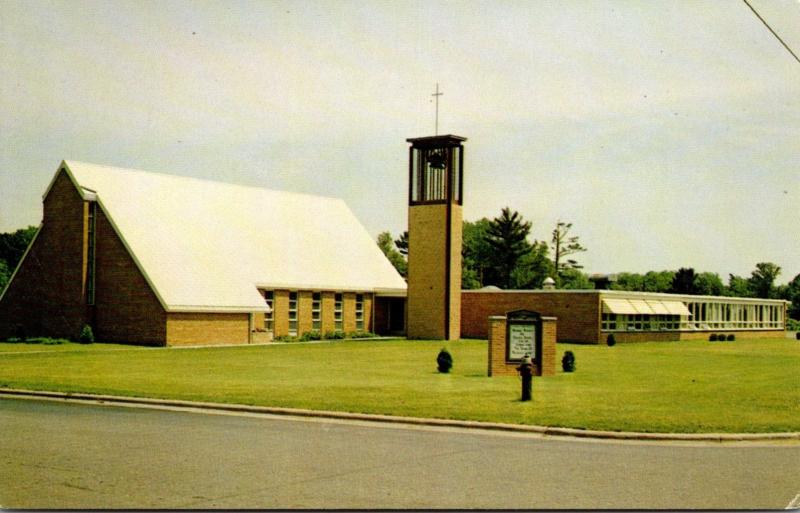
436	95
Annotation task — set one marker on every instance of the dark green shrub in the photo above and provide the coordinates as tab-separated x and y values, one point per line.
86	336
333	335
444	361
731	337
797	335
568	362
611	340
311	335
285	338
360	334
712	337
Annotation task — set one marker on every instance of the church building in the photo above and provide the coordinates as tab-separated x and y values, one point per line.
156	259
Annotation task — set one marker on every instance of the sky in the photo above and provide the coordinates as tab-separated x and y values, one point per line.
666	132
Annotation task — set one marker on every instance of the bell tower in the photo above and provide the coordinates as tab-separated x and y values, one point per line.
435	193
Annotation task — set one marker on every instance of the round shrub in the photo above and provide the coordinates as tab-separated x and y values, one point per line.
712	337
731	337
86	336
611	340
444	361
568	362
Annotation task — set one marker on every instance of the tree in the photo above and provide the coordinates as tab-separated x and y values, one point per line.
738	286
507	236
14	244
684	281
386	243
628	281
532	268
402	243
709	284
476	253
762	280
658	281
563	245
793	294
574	279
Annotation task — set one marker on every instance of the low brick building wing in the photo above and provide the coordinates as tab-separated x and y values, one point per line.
591	316
149	258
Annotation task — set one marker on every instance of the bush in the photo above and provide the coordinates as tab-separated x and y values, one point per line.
792	325
86	336
611	340
333	335
797	335
284	338
444	361
45	341
360	334
311	335
713	337
731	337
568	362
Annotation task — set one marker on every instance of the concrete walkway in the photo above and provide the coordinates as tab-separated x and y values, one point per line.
496	426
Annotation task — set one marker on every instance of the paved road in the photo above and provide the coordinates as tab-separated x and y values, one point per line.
62	455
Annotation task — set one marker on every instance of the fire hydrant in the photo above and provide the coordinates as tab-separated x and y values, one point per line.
525	370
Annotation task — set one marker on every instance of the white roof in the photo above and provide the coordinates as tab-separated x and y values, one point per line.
642	306
207	246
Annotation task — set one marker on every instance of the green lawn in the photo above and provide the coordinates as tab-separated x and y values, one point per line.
742	386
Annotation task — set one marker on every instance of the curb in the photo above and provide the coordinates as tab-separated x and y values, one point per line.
394	419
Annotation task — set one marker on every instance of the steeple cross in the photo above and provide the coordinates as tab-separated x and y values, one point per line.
436	95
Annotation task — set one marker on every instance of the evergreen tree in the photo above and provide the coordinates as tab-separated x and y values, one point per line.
684	281
386	244
532	268
508	238
402	243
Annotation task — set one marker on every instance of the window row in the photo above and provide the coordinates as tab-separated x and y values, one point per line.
705	316
640	322
317	305
717	315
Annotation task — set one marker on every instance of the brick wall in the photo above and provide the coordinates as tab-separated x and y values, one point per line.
280	315
427	282
126	308
497	364
207	328
304	300
328	304
348	312
47	295
578	313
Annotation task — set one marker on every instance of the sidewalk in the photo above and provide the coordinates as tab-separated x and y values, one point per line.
520	428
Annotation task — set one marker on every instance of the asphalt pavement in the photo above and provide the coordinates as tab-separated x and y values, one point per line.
59	455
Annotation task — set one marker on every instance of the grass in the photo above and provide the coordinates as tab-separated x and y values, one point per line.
742	386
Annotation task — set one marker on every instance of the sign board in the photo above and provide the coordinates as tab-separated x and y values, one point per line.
521	341
523	335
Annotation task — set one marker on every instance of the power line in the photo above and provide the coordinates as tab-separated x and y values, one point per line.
773	32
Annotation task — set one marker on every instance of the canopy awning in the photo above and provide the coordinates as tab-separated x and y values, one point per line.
677	308
644	307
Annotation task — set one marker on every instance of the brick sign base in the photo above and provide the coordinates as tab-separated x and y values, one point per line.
498	366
